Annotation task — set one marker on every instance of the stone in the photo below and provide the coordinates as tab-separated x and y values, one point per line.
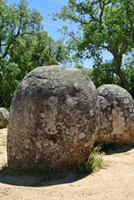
53	119
4	117
116	115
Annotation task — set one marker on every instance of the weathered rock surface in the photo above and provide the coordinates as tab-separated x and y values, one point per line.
53	118
4	117
116	115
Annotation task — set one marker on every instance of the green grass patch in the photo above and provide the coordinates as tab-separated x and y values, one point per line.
93	163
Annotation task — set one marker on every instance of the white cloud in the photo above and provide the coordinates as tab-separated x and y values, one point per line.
52	24
57	24
58	1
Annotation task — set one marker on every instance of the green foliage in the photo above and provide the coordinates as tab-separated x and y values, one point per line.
8	81
47	51
129	73
23	46
93	163
16	20
37	50
104	74
102	25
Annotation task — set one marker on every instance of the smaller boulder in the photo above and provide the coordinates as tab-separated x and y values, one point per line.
4	117
116	115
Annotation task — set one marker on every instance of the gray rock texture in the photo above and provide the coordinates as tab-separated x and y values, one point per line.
116	115
4	117
53	119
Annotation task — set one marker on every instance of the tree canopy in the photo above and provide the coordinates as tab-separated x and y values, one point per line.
102	25
24	45
16	20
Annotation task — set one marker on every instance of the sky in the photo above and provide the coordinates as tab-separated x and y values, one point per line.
47	8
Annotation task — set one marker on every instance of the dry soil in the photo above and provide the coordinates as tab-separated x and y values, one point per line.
115	181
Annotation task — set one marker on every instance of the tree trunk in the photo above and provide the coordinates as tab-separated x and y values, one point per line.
123	80
118	62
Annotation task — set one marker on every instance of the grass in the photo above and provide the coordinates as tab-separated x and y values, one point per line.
93	163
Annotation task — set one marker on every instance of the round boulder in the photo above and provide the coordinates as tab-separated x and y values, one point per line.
53	119
116	115
4	117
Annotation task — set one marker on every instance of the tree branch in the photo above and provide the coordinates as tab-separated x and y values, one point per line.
10	43
124	48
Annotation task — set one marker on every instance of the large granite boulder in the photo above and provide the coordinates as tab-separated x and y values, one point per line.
53	119
4	117
116	115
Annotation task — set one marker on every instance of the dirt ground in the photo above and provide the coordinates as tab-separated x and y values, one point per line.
115	181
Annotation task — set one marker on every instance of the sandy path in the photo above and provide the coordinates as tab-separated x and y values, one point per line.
116	182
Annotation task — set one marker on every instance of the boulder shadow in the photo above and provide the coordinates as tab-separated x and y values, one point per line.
113	148
32	180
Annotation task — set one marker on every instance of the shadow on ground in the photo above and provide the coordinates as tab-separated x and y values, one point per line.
48	179
25	179
28	180
113	148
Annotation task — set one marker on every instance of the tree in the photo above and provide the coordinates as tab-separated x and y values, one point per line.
8	81
28	52
47	51
23	46
104	74
102	25
15	21
36	50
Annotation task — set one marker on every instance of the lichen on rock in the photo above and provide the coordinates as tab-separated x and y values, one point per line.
53	118
116	115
